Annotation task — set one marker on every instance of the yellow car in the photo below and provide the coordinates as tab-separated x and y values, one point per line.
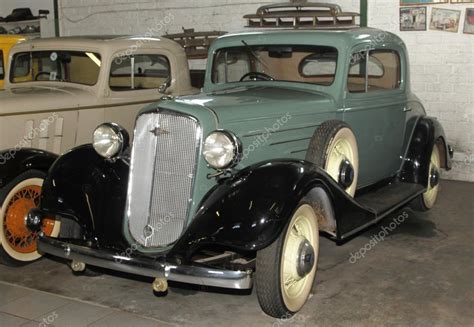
6	43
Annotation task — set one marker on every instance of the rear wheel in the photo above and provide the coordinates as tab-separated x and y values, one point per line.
427	200
286	269
334	149
18	244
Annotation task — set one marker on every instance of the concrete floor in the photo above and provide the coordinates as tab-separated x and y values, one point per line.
420	275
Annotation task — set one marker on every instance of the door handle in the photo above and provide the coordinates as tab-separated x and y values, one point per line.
407	108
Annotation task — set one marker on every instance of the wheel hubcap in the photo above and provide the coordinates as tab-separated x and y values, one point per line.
434	177
19	238
431	193
306	258
346	174
339	164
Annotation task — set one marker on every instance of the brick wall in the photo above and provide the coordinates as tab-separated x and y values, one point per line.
442	63
442	75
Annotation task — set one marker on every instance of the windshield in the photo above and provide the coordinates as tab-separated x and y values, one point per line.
64	66
294	63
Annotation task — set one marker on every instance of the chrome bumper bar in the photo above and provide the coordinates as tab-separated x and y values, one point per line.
146	267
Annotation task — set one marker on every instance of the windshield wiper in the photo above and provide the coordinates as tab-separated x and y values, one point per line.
250	51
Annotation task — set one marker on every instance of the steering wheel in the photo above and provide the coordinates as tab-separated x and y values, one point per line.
257	76
41	73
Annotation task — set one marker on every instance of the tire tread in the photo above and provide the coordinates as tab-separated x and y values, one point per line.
5	259
268	280
322	138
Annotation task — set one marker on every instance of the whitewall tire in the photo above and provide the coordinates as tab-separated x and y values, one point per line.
18	244
286	269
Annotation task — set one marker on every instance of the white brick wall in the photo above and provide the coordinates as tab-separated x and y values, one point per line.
442	67
442	63
86	17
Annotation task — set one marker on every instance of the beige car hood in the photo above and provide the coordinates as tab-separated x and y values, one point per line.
33	99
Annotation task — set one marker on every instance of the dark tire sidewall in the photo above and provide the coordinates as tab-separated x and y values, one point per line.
5	258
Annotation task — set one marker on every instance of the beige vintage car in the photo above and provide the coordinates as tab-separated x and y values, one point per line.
57	92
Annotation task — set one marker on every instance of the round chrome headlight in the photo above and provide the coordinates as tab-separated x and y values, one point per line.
221	150
109	140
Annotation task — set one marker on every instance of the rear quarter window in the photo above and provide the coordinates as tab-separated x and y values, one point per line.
376	70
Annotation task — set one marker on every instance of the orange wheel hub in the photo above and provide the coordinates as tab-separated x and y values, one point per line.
19	238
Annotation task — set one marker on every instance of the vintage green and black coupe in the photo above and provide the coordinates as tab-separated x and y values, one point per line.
296	132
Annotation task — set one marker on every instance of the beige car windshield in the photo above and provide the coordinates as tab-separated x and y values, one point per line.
63	66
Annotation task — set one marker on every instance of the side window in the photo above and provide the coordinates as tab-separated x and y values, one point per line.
139	72
2	71
22	65
384	70
357	72
374	71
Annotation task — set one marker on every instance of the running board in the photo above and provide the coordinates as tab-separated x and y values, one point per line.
384	201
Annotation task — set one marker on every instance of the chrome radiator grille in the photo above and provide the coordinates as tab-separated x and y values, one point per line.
162	168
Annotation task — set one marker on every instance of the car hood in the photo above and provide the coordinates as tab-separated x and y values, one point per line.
250	103
34	98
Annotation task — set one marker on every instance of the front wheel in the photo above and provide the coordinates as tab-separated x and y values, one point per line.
286	269
18	244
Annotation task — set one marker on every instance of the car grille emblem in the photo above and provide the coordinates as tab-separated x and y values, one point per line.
158	131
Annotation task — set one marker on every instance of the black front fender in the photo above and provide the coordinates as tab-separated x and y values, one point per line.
249	211
15	162
84	187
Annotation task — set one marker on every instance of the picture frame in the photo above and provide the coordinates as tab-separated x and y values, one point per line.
469	21
446	20
413	19
421	2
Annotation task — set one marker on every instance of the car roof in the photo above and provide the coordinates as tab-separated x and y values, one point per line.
343	37
101	43
11	39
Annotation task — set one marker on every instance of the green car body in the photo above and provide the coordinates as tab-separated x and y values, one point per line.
252	110
242	177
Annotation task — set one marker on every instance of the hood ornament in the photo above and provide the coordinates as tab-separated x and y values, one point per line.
158	131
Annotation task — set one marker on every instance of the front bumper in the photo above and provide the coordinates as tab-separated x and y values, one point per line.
146	266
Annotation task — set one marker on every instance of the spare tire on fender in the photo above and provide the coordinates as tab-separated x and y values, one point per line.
333	148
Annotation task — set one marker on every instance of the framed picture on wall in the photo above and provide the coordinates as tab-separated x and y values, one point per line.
445	20
421	2
413	19
469	22
462	1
